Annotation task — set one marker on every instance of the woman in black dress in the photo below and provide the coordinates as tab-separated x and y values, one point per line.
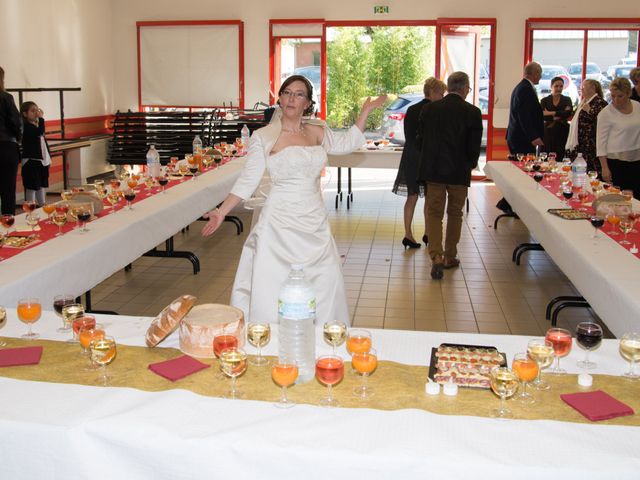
406	180
10	135
557	110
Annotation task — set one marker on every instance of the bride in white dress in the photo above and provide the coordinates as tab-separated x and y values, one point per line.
293	227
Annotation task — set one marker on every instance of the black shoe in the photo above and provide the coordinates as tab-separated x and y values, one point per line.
437	269
425	239
409	244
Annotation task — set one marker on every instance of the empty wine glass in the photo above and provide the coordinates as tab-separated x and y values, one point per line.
504	383
29	311
630	351
589	337
284	374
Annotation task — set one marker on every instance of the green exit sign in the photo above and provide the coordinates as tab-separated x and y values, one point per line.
381	10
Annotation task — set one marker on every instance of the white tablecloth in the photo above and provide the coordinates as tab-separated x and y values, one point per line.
385	158
75	262
77	432
605	274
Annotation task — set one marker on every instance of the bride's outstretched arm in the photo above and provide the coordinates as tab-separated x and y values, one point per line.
216	216
368	106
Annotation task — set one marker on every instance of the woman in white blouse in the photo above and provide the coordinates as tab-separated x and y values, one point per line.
618	138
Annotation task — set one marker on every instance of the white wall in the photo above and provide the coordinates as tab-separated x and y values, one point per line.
92	43
59	43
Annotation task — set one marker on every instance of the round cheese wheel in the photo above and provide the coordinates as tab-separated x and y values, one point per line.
204	322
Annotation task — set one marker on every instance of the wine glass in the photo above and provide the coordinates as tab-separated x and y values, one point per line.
538	176
129	196
540	351
59	302
233	363
334	333
7	221
29	311
66	195
258	335
59	219
49	208
183	168
504	383
589	337
87	334
520	157
220	342
33	220
3	239
80	322
358	341
633	216
149	182
132	183
526	369
3	322
561	341
567	193
625	225
630	351
597	222
364	363
613	219
103	352
329	371
162	181
70	313
113	198
592	174
84	216
284	374
627	195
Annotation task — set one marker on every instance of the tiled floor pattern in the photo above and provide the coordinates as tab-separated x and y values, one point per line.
387	286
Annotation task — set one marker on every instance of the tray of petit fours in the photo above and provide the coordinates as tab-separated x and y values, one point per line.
464	365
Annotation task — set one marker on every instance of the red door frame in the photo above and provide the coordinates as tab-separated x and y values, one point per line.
323	52
491	22
165	23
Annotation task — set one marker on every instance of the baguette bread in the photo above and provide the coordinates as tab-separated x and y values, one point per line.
169	319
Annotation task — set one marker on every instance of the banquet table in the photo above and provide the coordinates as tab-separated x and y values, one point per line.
76	262
606	274
74	432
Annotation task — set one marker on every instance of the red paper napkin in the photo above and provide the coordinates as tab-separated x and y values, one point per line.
11	357
597	405
177	368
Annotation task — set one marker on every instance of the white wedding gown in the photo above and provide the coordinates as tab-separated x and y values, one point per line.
293	228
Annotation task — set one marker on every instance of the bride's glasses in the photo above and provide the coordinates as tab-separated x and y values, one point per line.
296	95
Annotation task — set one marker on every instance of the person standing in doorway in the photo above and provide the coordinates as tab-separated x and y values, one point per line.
10	135
449	135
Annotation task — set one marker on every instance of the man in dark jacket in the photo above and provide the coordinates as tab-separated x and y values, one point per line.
10	135
450	134
526	121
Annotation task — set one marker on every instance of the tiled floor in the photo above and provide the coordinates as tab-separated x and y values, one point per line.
387	287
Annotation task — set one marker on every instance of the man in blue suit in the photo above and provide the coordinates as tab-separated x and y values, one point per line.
526	122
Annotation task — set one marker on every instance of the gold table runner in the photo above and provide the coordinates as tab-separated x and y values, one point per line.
397	386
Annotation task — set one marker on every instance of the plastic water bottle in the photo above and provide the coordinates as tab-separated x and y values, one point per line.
579	171
244	137
153	162
296	332
197	144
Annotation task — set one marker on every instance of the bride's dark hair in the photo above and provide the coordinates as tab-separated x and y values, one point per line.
299	78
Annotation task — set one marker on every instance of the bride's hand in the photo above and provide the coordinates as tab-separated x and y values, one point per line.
215	220
370	104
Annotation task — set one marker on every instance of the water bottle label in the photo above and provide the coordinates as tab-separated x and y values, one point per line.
297	311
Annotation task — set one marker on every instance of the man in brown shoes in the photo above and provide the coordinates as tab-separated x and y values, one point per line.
449	134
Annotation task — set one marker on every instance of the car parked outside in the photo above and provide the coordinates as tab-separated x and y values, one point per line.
593	73
544	87
393	117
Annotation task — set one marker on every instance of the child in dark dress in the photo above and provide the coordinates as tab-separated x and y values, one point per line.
35	154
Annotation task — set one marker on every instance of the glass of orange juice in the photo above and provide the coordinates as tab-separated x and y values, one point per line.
358	341
526	369
86	336
284	374
29	311
364	363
